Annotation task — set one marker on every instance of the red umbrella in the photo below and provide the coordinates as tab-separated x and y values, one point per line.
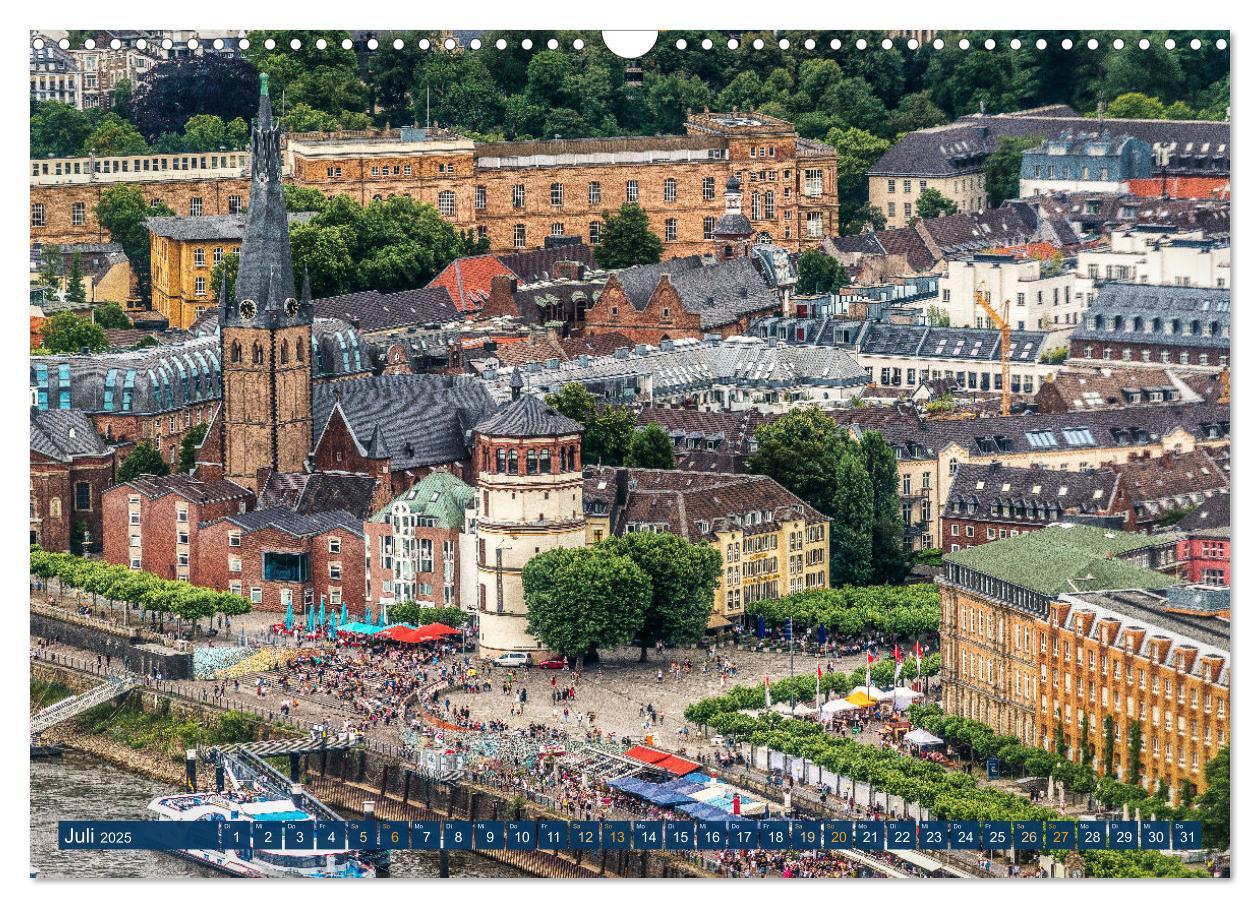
438	629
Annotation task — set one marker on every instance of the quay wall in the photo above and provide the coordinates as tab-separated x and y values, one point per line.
130	651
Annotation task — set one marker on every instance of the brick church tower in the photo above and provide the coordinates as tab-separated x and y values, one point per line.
265	331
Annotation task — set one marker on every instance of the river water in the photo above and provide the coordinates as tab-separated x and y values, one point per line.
77	786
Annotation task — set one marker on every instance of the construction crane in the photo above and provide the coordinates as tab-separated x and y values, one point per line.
1003	324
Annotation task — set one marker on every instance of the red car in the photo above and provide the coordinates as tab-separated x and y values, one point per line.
554	663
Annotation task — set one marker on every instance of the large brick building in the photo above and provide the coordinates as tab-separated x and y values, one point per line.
1137	324
1035	643
516	194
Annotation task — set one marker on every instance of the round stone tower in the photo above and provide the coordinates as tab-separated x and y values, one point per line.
528	460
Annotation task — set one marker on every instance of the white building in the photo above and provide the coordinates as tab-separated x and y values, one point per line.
1155	255
1040	299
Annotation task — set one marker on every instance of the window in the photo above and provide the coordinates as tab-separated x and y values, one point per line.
518	236
37	215
286	567
813	181
234	564
255	595
557	195
334	545
709	225
199	257
671	230
78	214
194	206
234	203
518	195
557	229
707	189
632	190
217	255
814	225
82	496
671	190
334	570
234	540
479	197
200	284
594	194
595	232
446	203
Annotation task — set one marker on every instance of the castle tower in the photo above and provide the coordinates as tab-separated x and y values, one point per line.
529	472
733	234
265	331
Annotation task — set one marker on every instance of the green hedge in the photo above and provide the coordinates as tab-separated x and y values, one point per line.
851	611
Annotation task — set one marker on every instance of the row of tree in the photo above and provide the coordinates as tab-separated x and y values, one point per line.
150	592
641	586
904	612
854	483
417	614
610	436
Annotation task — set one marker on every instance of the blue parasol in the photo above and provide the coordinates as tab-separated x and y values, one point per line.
322	618
761	626
288	616
345	614
367	613
822	634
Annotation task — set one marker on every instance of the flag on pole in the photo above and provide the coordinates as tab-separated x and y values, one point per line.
767	691
898	658
818	691
918	659
871	655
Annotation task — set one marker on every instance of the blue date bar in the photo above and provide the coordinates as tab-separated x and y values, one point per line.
135	835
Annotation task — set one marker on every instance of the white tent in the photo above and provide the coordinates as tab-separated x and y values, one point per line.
831	707
783	708
804	710
904	696
922	737
875	693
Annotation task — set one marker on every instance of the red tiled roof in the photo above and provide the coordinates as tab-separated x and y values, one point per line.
1181	188
467	280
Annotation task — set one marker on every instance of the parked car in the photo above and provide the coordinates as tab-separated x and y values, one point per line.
554	663
511	660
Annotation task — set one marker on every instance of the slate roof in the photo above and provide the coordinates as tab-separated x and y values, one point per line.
690	504
140	382
527	417
295	524
1159	485
712	441
719	293
605	343
1029	494
424	420
538	264
1097	389
196	490
1097	210
951	343
1164	616
1212	514
1065	559
312	493
373	311
1199	146
64	435
440	495
210	227
1139	307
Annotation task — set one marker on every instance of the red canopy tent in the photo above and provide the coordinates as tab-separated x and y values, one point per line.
438	630
646	754
405	634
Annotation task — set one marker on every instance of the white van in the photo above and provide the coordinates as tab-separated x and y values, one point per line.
511	660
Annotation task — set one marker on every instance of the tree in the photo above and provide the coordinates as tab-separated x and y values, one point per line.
210	85
120	101
50	266
856	152
144	460
1135	752
1109	745
58	130
915	111
188	447
1001	168
626	239
65	332
650	448
327	79
852	523
110	315
75	290
817	272
1087	749
122	211
573	401
890	558
683	577
115	136
1214	803
303	198
607	437
931	204
1134	105
225	270
801	452
582	599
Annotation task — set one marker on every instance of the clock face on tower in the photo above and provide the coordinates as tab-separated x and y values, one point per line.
291	306
248	309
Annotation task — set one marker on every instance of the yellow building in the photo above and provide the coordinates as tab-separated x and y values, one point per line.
771	542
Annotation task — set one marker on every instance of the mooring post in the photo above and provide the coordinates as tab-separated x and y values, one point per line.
190	769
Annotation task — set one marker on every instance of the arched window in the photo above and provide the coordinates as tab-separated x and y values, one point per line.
564	461
284	352
500	459
301	352
573	463
236	351
544	460
54	508
258	353
513	466
531	463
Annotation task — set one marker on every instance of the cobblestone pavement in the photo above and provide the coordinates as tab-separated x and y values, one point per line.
619	685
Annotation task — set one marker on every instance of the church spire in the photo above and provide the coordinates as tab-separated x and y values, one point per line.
265	274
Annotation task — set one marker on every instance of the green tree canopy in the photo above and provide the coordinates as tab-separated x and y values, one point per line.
853	518
110	315
303	198
931	203
583	599
627	239
1001	169
114	136
1134	105
801	452
225	270
66	332
76	292
122	211
145	459
890	558
188	447
817	272
573	401
650	447
1214	803
856	151
682	578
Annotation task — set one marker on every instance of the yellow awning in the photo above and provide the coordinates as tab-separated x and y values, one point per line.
859	698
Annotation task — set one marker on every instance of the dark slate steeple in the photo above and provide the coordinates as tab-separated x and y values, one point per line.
265	295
